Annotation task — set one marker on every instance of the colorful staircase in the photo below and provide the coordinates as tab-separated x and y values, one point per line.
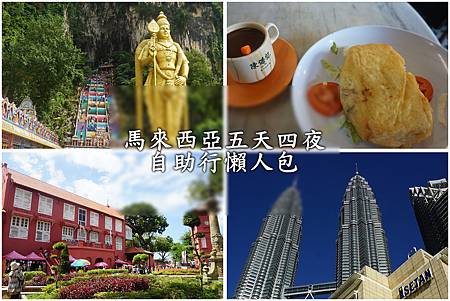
92	128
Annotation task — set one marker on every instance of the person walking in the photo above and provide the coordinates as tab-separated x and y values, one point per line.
15	281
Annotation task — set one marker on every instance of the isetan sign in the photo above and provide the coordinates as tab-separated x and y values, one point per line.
416	284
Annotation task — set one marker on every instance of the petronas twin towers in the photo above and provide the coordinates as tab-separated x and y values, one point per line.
272	262
361	239
273	258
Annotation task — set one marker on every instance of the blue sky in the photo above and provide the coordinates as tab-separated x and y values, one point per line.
322	179
121	177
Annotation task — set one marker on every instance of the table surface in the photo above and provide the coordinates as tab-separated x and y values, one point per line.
303	24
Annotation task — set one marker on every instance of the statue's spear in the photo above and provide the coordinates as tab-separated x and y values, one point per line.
153	28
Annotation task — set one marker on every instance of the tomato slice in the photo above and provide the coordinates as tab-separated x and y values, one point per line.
325	98
425	87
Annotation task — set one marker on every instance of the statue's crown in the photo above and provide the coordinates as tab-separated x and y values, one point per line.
162	19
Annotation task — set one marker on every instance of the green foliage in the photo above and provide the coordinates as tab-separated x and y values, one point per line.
201	190
105	271
64	265
30	275
140	259
177	272
40	59
191	219
177	249
171	288
163	245
200	72
54	267
59	246
145	221
51	295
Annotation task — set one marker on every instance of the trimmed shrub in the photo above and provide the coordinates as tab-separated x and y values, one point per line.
59	246
87	289
106	271
40	280
30	275
177	272
170	288
64	266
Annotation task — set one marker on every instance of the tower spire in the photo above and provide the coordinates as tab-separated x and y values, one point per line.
294	183
356	168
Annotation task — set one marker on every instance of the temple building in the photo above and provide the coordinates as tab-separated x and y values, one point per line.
272	263
361	238
21	128
431	209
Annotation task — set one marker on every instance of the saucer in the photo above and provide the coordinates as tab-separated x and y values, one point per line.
254	94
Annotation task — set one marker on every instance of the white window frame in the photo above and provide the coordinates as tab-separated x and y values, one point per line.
119	246
93	218
68	233
20	225
43	228
128	233
81	230
22	198
90	236
108	240
108	226
45	205
203	243
69	212
80	222
119	226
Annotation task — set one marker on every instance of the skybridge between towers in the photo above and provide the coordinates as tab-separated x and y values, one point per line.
309	290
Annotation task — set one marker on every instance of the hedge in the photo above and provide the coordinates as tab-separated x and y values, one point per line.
170	288
87	289
177	272
106	271
30	275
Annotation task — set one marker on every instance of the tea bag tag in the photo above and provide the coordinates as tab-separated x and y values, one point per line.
245	50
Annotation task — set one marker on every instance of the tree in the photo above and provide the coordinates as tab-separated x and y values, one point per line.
185	245
191	220
41	61
145	221
62	259
163	245
64	265
140	260
204	190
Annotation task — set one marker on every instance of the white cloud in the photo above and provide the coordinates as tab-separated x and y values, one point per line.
56	176
28	164
101	160
90	190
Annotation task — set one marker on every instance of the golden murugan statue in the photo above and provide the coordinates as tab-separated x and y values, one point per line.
164	90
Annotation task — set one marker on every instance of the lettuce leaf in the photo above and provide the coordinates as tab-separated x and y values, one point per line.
351	131
332	70
334	49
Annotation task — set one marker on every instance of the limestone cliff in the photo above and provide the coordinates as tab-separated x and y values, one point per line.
101	29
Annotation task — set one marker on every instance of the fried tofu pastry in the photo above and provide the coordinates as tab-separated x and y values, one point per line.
381	99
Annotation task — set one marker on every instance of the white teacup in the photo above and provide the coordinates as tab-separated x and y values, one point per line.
260	62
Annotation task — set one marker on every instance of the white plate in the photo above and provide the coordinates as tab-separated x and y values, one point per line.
422	57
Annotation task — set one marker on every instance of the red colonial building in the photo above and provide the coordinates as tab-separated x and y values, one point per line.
202	244
36	215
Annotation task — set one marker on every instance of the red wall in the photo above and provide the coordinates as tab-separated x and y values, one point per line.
31	245
203	228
